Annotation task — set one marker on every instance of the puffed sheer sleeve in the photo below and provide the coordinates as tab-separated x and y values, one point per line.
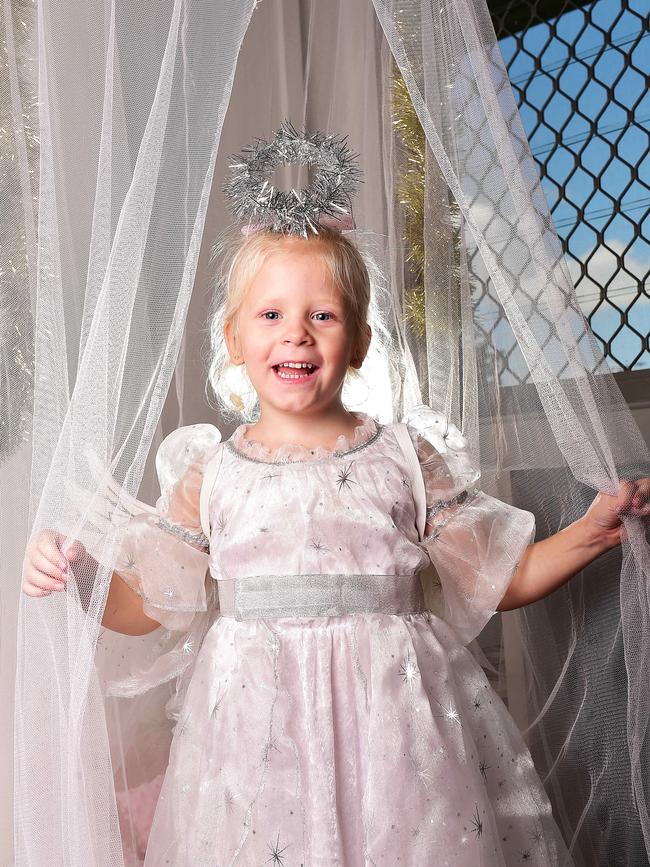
474	541
163	553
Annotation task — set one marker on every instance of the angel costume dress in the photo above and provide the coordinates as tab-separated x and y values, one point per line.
325	716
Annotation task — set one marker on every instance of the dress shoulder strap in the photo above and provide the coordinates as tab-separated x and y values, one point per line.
207	486
415	475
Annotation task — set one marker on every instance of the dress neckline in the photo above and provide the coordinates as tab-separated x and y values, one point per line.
363	435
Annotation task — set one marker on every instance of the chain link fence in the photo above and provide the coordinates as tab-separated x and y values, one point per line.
580	75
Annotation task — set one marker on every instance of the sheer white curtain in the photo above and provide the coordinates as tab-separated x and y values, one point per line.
132	99
134	143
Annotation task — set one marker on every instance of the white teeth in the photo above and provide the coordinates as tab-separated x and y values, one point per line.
295	364
293	375
305	366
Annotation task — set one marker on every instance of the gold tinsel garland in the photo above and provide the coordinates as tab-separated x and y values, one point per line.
18	62
411	192
411	196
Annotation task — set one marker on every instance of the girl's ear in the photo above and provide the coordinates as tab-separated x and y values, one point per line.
232	343
362	347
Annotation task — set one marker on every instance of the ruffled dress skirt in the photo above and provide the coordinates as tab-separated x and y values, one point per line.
356	740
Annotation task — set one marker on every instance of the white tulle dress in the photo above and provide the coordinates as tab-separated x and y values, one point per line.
324	715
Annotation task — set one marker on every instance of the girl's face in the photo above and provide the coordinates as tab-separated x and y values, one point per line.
294	313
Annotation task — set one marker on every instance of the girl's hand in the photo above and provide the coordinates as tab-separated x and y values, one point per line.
604	515
45	565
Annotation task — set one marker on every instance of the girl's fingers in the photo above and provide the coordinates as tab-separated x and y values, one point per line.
49	549
45	565
75	551
37	583
30	590
641	498
626	493
635	498
638	507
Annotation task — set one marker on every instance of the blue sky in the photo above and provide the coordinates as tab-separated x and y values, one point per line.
585	78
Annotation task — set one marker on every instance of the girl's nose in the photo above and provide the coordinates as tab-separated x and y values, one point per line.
296	333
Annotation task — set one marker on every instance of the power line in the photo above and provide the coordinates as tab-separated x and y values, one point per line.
579	137
569	61
611	293
598	213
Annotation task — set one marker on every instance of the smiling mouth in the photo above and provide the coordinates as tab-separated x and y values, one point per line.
295	374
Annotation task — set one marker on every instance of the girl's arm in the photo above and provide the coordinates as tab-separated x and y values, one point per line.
123	612
548	564
45	570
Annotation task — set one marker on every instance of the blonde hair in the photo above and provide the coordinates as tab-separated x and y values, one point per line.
239	261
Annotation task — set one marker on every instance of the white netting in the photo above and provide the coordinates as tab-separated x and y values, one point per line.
131	103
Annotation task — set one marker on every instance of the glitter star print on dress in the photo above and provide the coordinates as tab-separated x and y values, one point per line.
370	733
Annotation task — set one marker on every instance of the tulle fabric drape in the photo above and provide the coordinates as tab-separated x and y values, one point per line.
135	126
131	101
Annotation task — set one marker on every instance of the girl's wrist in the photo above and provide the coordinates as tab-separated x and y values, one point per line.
598	539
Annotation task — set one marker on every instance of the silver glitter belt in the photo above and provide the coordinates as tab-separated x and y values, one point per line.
320	595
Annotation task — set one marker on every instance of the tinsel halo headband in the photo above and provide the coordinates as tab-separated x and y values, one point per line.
256	202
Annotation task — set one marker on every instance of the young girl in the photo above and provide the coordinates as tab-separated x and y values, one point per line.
325	715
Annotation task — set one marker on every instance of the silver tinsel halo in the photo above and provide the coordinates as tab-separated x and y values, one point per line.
255	200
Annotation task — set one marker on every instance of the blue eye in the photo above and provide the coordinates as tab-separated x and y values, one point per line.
266	314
